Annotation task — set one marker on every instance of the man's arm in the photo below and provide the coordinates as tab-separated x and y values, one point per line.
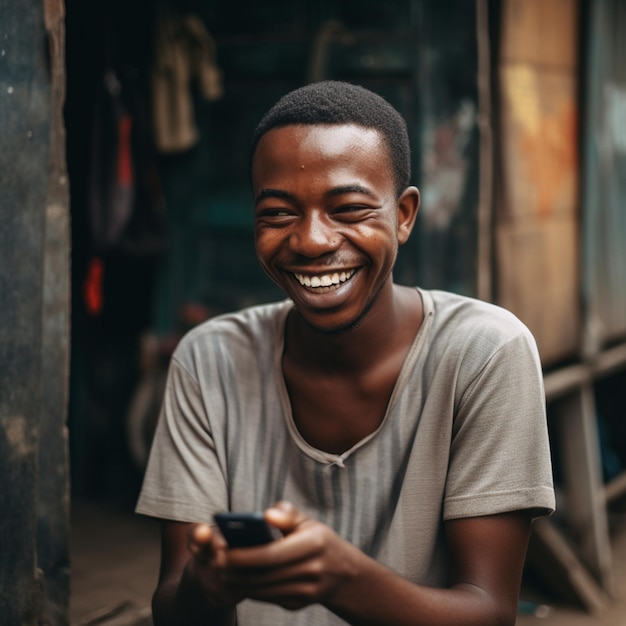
188	591
486	560
313	565
201	580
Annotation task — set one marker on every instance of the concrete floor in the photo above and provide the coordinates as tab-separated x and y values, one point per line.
115	557
114	565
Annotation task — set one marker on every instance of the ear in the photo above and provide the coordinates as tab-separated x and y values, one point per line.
408	206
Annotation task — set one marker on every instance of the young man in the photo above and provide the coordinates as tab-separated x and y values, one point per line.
395	436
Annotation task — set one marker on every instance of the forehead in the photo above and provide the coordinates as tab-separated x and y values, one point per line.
321	146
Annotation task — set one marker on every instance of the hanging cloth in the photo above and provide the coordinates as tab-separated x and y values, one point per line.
185	54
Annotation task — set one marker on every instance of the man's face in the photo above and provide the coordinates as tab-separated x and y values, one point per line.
327	219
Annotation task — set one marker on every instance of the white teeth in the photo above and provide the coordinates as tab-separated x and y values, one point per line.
324	280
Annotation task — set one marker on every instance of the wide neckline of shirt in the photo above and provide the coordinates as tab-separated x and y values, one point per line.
330	458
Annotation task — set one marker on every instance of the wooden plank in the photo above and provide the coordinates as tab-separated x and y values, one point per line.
582	583
577	433
53	524
538	280
567	379
609	361
541	32
615	488
486	155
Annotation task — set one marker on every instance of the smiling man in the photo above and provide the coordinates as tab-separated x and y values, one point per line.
396	436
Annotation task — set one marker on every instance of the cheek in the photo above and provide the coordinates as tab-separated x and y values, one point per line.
263	239
383	242
266	244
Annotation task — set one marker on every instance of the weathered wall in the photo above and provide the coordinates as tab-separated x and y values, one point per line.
33	316
536	213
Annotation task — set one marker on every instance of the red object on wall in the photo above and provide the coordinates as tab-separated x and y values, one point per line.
92	288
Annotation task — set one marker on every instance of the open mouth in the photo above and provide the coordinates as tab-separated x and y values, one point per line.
320	281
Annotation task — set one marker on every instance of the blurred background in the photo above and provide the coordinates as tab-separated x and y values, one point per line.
127	220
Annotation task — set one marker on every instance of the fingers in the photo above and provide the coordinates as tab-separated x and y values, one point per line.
199	542
206	543
309	541
290	594
293	571
201	534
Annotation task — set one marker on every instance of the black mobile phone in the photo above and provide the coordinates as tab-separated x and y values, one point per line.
245	529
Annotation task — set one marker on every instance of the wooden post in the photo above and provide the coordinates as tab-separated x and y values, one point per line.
586	506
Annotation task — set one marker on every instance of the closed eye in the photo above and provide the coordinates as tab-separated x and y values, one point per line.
274	216
275	212
353	212
352	207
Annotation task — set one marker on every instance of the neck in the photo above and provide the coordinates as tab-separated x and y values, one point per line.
391	321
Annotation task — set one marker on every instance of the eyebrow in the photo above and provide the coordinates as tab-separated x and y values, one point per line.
273	193
335	191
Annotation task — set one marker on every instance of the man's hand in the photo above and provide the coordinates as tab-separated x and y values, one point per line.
206	567
306	566
312	564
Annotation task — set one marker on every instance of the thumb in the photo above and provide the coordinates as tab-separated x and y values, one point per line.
199	540
205	542
285	516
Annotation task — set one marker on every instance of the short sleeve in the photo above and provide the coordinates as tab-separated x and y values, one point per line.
185	479
500	455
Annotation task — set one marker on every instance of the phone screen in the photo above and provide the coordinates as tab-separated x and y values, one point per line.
245	529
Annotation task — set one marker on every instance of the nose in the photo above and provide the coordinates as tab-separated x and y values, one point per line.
314	236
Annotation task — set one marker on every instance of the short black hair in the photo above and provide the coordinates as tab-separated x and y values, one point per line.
338	102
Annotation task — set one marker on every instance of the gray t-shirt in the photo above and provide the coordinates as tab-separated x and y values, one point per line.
464	435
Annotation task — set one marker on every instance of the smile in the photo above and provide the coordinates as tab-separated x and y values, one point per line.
324	280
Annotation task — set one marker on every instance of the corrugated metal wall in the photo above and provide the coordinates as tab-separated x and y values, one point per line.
604	175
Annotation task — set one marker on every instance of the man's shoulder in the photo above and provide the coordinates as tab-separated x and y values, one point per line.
467	304
468	317
248	326
468	333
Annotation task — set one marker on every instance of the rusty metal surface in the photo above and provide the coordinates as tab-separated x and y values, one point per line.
30	108
537	175
604	176
24	114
